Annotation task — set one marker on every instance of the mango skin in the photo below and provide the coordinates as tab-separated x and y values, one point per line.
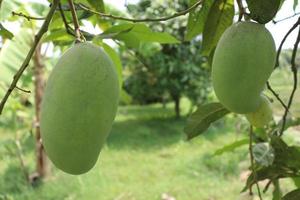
78	108
263	115
243	61
263	11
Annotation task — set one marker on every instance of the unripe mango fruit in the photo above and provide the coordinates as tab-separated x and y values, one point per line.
263	11
78	107
263	115
243	61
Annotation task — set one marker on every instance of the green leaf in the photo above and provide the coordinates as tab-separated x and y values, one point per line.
286	163
98	5
219	18
13	53
36	9
117	61
133	34
271	172
115	31
295	4
296	181
294	195
7	6
285	156
197	19
200	120
125	97
263	154
5	33
58	35
231	147
145	34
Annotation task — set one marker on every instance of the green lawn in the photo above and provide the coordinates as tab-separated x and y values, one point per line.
145	157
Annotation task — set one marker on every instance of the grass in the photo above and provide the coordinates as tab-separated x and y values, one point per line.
146	157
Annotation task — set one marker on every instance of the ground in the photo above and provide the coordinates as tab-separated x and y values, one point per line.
146	157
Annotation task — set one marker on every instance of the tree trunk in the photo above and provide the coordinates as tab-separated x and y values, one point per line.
41	166
177	105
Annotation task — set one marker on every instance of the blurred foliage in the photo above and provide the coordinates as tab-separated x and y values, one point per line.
166	72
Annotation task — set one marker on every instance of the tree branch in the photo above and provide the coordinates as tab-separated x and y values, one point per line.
294	70
75	21
241	9
252	160
68	28
276	95
284	39
184	12
27	16
289	17
37	39
23	90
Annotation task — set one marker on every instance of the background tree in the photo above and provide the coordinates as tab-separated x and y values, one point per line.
167	71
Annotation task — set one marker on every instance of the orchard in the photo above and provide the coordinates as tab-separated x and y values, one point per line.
81	81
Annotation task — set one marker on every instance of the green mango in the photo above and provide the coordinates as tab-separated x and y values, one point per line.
243	61
263	115
78	108
263	11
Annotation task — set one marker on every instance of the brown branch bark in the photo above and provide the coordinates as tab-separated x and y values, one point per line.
27	16
75	21
23	90
241	9
37	39
41	158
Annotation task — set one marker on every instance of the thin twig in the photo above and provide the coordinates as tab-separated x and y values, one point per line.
63	17
241	9
294	70
284	39
27	16
252	161
23	90
37	39
75	21
267	186
184	12
276	95
289	17
70	30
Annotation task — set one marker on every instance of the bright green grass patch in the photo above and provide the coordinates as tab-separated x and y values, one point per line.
146	156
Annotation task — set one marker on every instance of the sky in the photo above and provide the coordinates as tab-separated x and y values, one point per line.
279	29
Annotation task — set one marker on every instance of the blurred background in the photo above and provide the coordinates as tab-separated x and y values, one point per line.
147	155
